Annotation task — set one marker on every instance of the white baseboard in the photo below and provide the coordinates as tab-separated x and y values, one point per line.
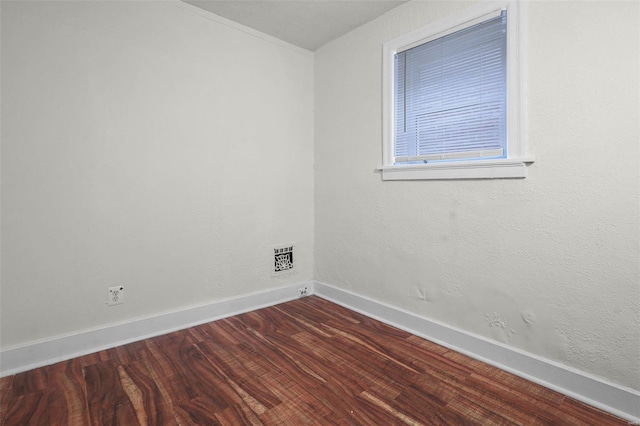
60	348
618	400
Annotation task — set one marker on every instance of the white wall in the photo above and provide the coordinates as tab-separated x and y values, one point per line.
549	264
145	145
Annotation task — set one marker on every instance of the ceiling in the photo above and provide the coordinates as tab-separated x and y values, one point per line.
309	24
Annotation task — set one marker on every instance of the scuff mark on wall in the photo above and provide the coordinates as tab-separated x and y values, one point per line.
499	324
451	287
496	320
529	317
427	294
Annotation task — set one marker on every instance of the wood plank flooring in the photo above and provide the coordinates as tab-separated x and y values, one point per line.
305	362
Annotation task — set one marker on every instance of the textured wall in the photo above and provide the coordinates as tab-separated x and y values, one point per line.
145	145
549	264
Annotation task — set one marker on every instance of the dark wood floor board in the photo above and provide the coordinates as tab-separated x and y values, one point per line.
6	382
57	412
344	383
376	362
510	381
31	381
432	347
107	401
492	379
171	389
143	391
238	414
246	385
365	369
269	321
328	348
127	354
281	360
580	413
311	312
257	361
171	345
197	411
224	332
339	396
213	333
443	368
513	395
384	412
194	394
368	341
289	413
5	397
503	380
67	394
360	411
26	409
387	373
475	412
427	407
373	378
324	357
417	358
168	372
6	393
206	379
306	323
351	380
374	331
95	358
321	369
511	408
437	391
304	362
302	405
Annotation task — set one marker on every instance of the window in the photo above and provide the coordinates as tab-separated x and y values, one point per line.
451	99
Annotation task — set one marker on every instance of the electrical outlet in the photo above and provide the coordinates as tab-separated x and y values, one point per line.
304	291
115	296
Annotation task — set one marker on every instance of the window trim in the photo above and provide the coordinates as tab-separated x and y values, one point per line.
514	165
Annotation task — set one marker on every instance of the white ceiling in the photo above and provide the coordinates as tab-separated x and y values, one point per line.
309	24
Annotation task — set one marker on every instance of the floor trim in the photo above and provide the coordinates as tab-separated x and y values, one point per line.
620	401
60	348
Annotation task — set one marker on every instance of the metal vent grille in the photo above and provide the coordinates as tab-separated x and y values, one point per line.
283	260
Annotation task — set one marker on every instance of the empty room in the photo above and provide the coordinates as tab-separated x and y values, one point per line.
319	212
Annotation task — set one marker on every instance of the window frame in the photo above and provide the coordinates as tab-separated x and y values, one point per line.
517	159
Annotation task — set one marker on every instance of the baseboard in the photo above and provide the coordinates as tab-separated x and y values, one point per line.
618	400
46	352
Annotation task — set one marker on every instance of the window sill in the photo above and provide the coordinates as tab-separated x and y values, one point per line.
509	168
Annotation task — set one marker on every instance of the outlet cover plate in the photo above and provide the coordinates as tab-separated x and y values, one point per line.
115	296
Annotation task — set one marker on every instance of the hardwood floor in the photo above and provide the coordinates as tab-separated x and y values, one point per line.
302	362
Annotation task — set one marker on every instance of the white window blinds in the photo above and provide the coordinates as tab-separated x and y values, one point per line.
450	95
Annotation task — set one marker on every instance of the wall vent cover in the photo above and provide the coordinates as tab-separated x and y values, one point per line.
283	260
